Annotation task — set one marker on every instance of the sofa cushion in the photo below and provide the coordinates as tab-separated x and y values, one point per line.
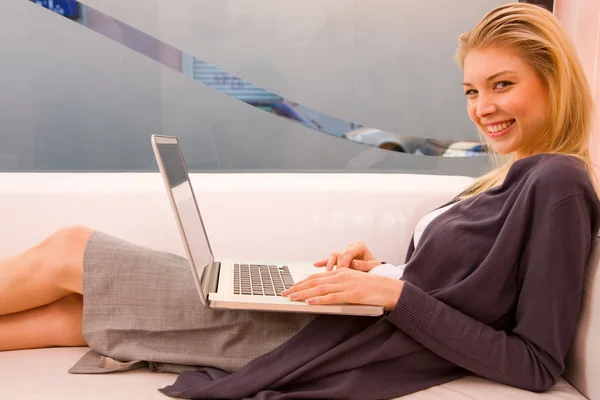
583	361
37	374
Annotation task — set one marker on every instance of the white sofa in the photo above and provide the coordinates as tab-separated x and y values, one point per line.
291	216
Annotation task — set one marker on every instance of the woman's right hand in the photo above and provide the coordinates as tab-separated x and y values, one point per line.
356	256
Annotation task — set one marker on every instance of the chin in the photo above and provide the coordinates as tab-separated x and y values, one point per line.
502	150
502	147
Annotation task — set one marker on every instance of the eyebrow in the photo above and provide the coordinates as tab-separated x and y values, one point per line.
491	77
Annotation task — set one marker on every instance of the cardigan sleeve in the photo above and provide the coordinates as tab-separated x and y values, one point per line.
388	270
530	356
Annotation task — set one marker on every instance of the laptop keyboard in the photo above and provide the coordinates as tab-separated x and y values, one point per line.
261	280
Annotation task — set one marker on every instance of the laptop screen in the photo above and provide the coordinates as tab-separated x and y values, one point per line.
189	215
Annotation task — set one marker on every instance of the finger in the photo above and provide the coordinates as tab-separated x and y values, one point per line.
345	259
364	266
338	260
331	298
318	291
313	280
363	251
321	263
332	261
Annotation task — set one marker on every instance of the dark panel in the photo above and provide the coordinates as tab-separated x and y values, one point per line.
547	4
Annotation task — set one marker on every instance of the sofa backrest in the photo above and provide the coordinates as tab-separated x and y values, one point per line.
583	361
298	216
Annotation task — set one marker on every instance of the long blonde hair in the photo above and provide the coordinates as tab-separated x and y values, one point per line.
537	35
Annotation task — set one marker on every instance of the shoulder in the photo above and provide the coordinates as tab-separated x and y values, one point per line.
556	176
547	182
545	165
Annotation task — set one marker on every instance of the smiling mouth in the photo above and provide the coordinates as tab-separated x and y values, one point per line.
497	128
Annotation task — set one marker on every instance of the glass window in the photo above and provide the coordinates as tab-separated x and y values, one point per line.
246	86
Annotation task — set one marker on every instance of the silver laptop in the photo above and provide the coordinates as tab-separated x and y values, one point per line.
234	284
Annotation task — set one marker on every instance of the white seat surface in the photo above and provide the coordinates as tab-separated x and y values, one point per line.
42	374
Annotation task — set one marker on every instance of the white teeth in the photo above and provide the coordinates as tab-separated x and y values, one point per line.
499	127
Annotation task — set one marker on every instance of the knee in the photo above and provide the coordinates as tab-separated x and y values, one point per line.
71	234
61	255
61	242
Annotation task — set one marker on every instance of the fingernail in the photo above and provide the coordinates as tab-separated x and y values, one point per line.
285	292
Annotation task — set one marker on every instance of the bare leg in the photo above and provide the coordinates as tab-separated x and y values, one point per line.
55	324
45	273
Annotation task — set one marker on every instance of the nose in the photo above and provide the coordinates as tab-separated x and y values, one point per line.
485	106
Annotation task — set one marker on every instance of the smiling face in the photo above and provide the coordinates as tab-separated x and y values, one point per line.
506	99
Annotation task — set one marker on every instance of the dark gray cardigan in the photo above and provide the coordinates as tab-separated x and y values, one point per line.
493	289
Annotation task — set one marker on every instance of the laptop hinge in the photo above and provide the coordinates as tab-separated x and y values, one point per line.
214	277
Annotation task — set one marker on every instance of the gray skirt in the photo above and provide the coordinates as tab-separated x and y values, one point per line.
141	309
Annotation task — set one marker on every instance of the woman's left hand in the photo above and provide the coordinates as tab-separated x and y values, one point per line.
347	286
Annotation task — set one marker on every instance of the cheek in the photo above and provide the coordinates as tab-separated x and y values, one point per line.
525	106
471	112
542	115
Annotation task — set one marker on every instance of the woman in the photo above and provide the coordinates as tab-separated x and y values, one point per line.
492	284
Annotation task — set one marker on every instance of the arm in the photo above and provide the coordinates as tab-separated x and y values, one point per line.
532	355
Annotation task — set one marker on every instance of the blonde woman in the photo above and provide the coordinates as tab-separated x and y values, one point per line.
492	283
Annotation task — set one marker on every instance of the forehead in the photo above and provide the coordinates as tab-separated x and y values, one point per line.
480	64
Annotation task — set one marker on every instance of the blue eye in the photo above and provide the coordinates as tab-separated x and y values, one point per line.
502	85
